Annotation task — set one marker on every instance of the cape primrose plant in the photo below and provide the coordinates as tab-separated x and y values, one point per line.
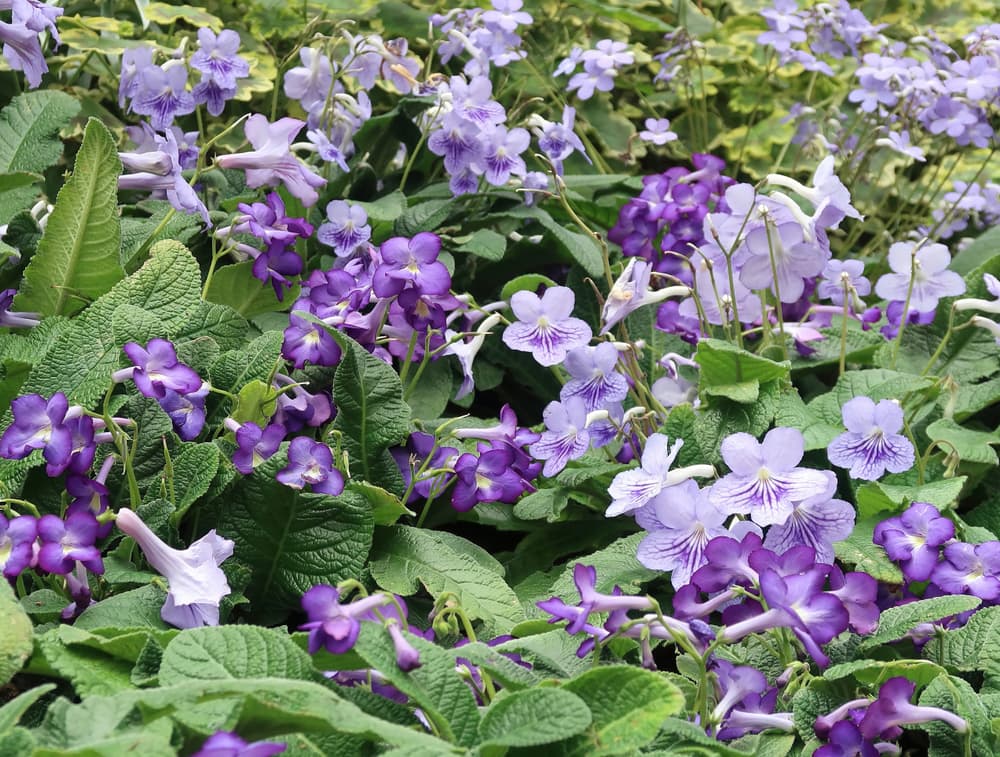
485	379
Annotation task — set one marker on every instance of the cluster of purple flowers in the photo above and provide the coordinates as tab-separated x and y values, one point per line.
157	165
974	206
487	37
601	65
498	471
863	726
160	92
666	220
266	221
21	36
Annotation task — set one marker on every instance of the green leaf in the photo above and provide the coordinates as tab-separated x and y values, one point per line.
551	653
921	672
974	646
255	362
533	717
982	250
138	608
955	695
224	652
875	497
294	540
140	233
194	470
387	208
859	550
78	252
544	503
485	243
527	282
371	412
970	446
723	364
579	247
628	705
235	286
512	675
386	506
429	397
896	622
404	558
876	384
11	712
16	638
29	130
17	180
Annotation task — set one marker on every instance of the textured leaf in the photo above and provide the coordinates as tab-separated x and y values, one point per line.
29	130
138	232
974	646
294	540
194	470
485	243
628	705
544	503
898	621
534	716
970	446
11	712
859	550
235	286
386	507
955	695
577	246
78	252
874	497
723	363
138	608
404	558
225	326
15	639
921	672
255	362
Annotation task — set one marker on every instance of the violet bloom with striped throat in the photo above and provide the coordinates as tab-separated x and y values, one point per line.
544	326
872	444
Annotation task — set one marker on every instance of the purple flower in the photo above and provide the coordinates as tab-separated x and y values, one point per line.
254	445
970	569
217	60
727	561
818	522
17	539
413	456
893	709
466	351
411	261
845	740
278	264
267	221
226	744
333	625
502	154
22	49
781	251
544	326
134	61
490	477
11	319
196	582
631	291
308	342
186	411
457	141
839	275
311	82
565	437
271	161
858	591
558	140
828	195
346	228
63	543
160	169
913	539
39	424
594	378
297	408
872	443
157	370
927	265
162	94
591	601
311	463
657	131
765	480
633	488
208	93
91	495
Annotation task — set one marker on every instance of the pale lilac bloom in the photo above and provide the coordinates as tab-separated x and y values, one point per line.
502	154
765	481
346	228
311	82
977	79
21	45
196	583
217	59
457	141
657	131
594	378
271	161
160	169
631	291
872	444
473	100
466	351
928	266
544	326
828	195
134	61
841	274
633	488
718	301
507	15
558	140
899	142
163	95
816	522
569	64
785	251
681	520
565	437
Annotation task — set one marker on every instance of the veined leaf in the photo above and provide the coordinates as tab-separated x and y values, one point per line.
29	130
78	252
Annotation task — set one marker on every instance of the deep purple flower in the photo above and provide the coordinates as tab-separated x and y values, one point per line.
186	411
196	582
12	319
818	522
507	430
163	95
308	342
872	443
297	408
734	683
254	445
413	456
271	161
279	265
928	267
91	495
346	228
591	601
913	539
727	561
765	480
227	744
845	740
858	591
157	370
65	542
41	424
565	437
544	326
17	539
970	569
267	221
311	463
893	709
488	477
633	488
333	625
78	587
411	261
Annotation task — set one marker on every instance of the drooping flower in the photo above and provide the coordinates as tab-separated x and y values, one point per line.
927	266
872	444
196	582
893	709
488	477
631	291
311	463
632	489
544	326
334	625
186	411
765	480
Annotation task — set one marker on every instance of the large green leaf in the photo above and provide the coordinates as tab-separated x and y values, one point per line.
533	717
29	130
78	253
235	286
294	540
898	621
15	640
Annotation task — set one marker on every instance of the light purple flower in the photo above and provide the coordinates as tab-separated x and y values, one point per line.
765	480
134	61
593	376
839	274
196	583
163	95
817	522
186	411
558	140
633	488
872	444
333	625
311	82
217	58
781	250
38	424
23	50
271	161
346	228
311	463
411	261
657	131
544	326
157	369
928	267
565	437
457	141
501	156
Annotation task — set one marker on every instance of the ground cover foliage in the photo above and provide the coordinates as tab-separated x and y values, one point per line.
581	378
